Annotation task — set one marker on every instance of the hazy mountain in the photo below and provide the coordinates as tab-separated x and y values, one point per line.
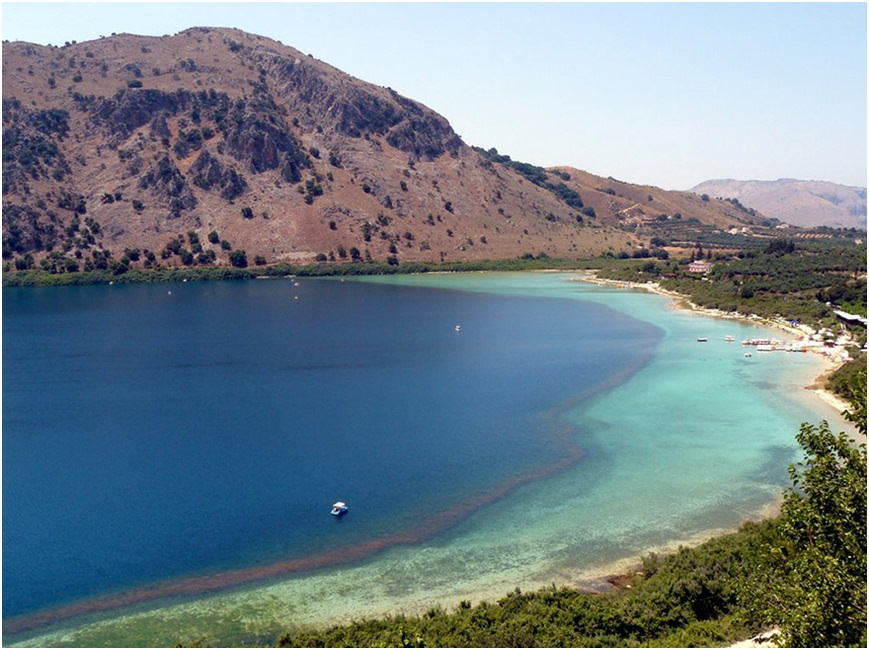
136	141
801	203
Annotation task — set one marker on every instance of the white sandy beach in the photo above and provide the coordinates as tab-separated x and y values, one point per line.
681	301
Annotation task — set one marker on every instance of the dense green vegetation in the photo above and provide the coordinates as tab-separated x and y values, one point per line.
686	231
804	571
687	599
841	381
784	279
35	278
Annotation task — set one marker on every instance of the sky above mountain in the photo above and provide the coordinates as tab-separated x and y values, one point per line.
665	94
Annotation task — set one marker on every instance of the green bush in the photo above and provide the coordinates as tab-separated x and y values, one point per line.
238	258
841	381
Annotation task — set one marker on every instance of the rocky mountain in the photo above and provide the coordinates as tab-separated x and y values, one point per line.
188	149
800	203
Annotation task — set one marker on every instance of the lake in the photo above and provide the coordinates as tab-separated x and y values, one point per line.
162	442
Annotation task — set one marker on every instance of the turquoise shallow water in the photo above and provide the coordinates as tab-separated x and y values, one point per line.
698	440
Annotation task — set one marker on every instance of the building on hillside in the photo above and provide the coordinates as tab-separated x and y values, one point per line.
699	267
850	319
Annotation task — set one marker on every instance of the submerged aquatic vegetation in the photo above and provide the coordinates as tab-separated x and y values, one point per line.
804	571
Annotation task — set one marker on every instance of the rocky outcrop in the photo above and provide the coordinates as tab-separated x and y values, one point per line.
263	141
218	140
360	112
130	109
209	174
169	185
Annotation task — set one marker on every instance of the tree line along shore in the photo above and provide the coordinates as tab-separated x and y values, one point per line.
802	571
804	282
801	574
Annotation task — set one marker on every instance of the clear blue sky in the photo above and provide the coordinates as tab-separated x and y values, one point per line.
668	94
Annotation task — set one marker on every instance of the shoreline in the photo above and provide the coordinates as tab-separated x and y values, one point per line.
683	302
212	584
597	577
34	278
606	577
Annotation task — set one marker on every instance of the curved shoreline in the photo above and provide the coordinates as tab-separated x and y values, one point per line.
433	526
584	579
683	302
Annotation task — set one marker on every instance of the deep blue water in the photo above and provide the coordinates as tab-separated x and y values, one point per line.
150	436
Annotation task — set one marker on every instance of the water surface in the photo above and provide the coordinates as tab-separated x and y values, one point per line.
156	433
697	439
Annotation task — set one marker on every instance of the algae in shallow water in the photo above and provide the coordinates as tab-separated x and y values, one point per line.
687	445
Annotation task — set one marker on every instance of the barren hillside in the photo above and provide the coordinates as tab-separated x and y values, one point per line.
185	149
801	203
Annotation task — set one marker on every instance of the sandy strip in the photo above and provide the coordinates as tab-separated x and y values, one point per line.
589	579
682	301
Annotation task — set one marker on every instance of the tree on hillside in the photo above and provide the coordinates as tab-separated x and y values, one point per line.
238	258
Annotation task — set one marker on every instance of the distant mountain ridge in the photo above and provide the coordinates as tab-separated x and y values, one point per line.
187	149
800	203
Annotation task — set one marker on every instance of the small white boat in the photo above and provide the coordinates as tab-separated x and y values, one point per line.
748	355
458	328
729	338
702	339
339	509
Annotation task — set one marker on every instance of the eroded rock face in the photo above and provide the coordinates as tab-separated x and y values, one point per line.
357	112
424	137
209	174
259	136
258	143
170	185
130	109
